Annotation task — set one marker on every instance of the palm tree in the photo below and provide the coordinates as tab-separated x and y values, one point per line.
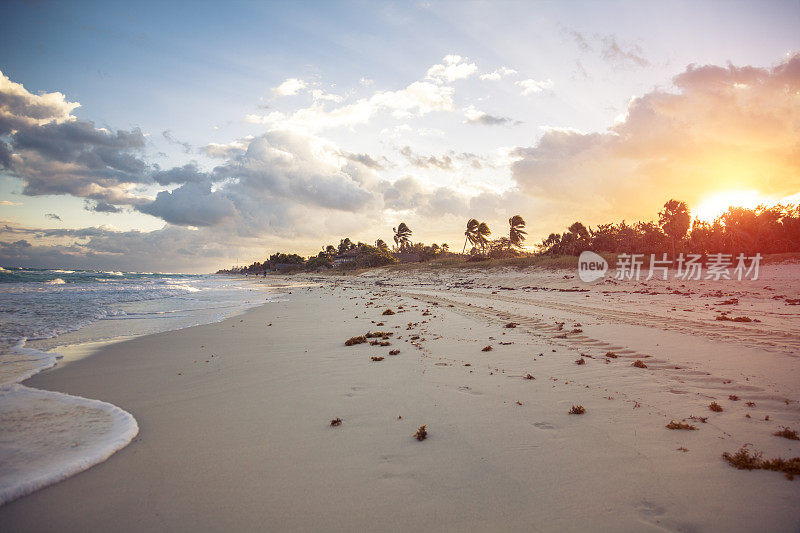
483	233
675	220
471	233
380	244
516	234
402	236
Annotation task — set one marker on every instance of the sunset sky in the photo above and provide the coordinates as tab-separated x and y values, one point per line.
171	136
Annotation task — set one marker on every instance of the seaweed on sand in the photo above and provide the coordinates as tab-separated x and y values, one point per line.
639	364
577	410
714	406
746	460
787	433
360	339
680	425
336	422
422	432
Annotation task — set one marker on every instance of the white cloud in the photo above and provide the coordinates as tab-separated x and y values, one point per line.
474	116
419	98
289	87
6	202
318	94
453	68
502	72
531	86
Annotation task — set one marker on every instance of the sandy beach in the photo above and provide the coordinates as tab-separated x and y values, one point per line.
234	417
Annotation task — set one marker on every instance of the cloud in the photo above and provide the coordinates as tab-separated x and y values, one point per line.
443	163
53	152
495	75
20	108
100	207
188	173
52	216
611	50
6	202
191	204
289	87
479	117
626	56
724	128
365	159
531	86
418	98
452	68
187	148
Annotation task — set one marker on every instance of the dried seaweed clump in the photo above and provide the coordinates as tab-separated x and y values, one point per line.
612	355
487	349
336	422
379	334
580	361
376	358
360	339
422	432
394	352
577	410
746	460
733	398
388	312
679	425
510	325
714	406
639	364
528	376
787	433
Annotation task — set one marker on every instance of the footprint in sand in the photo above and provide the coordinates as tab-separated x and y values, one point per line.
544	425
469	390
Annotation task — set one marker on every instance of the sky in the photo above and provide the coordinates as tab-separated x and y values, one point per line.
190	136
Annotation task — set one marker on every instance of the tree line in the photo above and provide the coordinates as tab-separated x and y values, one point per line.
765	230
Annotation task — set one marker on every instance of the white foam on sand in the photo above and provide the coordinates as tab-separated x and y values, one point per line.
45	436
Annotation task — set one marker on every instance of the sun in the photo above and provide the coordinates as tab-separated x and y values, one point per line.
716	204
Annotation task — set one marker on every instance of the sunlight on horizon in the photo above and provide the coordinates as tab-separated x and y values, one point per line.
714	205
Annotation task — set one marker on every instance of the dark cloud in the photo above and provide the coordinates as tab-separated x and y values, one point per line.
52	216
188	173
190	204
100	207
5	155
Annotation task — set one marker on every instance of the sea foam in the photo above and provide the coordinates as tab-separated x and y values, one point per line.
46	436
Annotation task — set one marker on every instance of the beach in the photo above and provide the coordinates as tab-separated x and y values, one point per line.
234	417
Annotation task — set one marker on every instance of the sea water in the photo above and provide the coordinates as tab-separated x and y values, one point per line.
48	436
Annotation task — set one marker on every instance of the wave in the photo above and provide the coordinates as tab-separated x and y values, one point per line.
50	436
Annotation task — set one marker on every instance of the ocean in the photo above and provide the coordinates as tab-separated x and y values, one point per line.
46	315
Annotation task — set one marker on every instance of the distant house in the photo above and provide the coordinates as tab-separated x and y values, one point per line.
347	257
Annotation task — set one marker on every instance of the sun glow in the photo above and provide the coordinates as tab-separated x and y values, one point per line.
716	204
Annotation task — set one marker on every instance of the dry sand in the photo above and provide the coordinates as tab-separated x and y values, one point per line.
235	417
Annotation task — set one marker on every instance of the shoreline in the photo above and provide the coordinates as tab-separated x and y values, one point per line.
30	456
235	432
